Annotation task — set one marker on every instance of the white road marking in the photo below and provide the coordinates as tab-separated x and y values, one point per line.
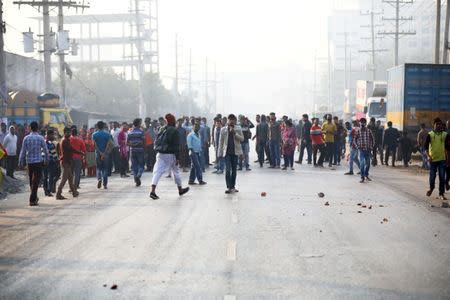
235	200
229	297
231	250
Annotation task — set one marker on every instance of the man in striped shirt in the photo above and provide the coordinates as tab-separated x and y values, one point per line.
34	153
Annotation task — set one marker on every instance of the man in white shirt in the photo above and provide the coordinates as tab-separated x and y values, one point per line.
115	152
10	144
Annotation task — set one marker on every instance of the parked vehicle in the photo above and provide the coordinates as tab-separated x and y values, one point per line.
417	94
371	100
25	107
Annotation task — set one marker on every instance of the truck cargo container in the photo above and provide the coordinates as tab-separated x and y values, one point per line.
417	94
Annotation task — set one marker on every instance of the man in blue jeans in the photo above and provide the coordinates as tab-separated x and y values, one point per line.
103	146
353	156
274	141
194	144
230	147
136	141
364	143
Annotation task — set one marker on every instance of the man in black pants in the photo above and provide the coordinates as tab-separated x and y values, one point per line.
391	136
34	153
261	136
306	140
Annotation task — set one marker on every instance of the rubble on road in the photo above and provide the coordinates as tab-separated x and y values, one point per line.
12	185
321	195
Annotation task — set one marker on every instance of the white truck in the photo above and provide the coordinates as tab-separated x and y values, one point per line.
371	100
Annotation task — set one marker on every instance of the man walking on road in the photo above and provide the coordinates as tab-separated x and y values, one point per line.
364	142
78	144
103	146
136	141
230	148
167	147
353	156
67	163
10	144
391	137
436	144
195	148
34	153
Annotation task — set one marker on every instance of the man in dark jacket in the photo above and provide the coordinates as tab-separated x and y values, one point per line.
261	136
306	140
391	137
167	147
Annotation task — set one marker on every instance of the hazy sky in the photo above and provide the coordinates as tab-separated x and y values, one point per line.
240	36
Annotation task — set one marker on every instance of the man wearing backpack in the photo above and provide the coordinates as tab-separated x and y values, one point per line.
166	145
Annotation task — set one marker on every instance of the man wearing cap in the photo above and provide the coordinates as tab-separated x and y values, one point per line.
167	147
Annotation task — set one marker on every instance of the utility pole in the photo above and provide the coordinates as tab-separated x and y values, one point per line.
437	45
142	106
190	82
3	88
206	86
215	88
397	4
176	65
47	47
315	82
62	69
447	21
345	46
372	38
46	5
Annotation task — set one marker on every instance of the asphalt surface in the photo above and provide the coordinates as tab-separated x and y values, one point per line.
208	245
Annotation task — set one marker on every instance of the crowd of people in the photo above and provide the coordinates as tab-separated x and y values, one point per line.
166	146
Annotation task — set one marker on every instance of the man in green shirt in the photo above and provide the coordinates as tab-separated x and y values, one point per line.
435	145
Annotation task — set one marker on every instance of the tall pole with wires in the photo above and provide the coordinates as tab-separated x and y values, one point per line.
59	4
3	88
437	45
446	29
47	46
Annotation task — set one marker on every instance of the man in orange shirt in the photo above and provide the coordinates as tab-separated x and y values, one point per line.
77	144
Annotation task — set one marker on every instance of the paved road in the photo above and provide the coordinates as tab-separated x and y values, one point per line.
209	245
